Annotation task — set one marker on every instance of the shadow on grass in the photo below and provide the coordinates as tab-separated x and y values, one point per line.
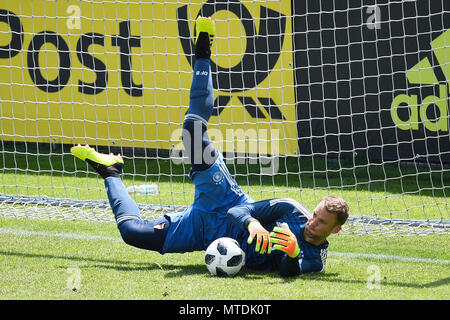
176	271
333	278
121	265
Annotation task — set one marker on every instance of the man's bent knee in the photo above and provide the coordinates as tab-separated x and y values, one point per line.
144	234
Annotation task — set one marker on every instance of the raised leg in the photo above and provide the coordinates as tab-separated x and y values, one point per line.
195	139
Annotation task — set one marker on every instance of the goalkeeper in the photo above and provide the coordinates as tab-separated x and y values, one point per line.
275	234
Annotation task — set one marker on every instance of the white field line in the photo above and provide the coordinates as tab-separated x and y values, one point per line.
79	236
386	257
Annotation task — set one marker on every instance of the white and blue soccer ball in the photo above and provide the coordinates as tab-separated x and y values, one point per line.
224	257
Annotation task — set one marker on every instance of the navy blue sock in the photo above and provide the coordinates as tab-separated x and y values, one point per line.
122	205
195	139
201	102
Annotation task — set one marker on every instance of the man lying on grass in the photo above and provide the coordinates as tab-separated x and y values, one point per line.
297	241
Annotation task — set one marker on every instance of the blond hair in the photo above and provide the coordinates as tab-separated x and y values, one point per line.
338	207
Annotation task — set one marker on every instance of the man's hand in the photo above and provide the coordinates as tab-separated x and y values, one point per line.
283	239
262	237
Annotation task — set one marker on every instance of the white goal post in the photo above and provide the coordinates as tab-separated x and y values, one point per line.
312	97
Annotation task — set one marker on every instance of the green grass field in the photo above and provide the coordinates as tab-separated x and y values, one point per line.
48	259
40	260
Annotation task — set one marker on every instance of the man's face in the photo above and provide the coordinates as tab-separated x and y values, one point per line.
320	225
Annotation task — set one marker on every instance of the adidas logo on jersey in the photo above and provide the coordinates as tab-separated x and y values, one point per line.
201	73
429	106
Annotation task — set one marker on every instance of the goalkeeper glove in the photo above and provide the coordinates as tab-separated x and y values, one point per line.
262	237
283	239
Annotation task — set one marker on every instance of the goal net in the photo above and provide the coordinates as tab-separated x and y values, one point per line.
312	98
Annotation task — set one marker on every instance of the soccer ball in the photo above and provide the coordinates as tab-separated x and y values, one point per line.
224	257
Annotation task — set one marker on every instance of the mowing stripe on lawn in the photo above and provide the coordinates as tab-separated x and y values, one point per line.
79	236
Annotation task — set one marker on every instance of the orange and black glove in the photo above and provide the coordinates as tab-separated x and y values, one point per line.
283	239
257	231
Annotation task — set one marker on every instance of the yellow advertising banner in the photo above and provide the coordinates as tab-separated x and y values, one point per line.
119	73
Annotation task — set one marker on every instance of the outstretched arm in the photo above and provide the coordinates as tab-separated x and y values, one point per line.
251	217
265	211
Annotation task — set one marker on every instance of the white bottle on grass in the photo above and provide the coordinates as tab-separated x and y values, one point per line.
143	189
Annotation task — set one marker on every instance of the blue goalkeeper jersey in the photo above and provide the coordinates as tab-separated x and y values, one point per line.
221	208
271	213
